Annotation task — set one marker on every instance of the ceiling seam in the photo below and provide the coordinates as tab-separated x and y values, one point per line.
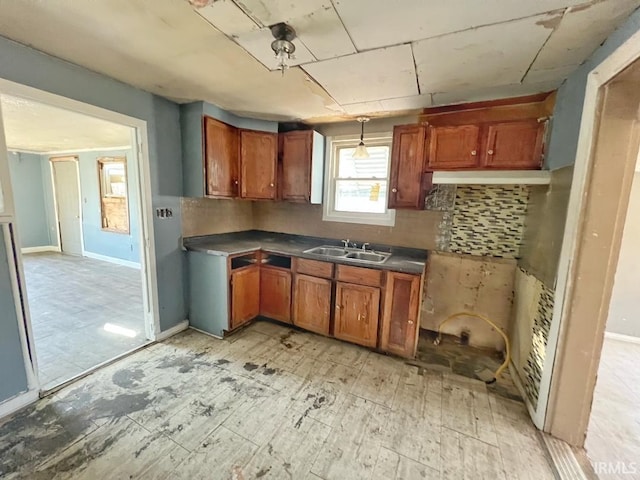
564	12
373	49
345	28
415	69
311	77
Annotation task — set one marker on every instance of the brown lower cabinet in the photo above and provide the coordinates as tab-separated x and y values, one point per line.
356	314
245	295
400	315
312	303
275	294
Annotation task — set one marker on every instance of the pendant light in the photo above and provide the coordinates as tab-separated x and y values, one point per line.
361	149
283	46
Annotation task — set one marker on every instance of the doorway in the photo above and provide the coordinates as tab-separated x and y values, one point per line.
599	207
66	181
82	239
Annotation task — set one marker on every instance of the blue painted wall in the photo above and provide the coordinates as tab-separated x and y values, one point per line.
30	67
28	182
563	142
96	240
13	377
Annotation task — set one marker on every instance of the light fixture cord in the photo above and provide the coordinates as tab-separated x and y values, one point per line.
361	132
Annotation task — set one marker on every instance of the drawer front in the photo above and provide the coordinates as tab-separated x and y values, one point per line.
314	268
359	275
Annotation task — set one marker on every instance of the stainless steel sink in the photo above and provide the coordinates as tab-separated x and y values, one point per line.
353	254
368	257
328	251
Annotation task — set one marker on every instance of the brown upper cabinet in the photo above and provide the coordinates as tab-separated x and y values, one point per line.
295	157
407	167
220	158
258	164
514	145
453	147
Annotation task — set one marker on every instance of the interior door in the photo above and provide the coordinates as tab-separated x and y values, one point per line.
65	174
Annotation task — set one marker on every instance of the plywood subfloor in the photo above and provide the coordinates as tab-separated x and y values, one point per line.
270	402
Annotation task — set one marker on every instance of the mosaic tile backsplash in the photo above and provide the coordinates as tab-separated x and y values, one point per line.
488	220
539	338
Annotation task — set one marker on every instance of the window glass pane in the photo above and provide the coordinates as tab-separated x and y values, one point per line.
376	166
361	196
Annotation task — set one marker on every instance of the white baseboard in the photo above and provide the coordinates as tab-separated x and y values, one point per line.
45	248
16	403
118	261
622	338
172	331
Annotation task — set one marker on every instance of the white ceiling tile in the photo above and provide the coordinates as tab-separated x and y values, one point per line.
227	17
581	31
549	74
367	76
276	11
494	55
323	34
378	23
492	93
407	103
258	44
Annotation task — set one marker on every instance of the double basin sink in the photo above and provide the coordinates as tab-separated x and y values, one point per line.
354	254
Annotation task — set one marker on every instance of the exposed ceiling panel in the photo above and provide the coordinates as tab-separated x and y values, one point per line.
482	57
407	103
37	127
323	34
227	17
377	23
276	11
368	76
568	45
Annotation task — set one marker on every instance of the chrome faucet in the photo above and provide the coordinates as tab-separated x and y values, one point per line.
364	246
345	243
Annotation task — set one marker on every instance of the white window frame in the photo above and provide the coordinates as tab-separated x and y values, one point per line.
329	214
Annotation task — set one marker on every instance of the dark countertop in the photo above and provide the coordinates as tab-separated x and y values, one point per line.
408	260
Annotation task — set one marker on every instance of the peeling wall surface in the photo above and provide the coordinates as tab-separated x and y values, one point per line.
465	283
529	330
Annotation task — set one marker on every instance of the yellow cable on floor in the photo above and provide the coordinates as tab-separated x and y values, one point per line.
481	317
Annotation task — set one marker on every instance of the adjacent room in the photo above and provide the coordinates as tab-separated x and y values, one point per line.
319	240
74	183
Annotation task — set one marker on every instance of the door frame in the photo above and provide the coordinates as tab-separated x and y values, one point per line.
68	158
552	396
148	268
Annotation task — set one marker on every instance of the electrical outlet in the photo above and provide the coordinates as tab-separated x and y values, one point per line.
164	212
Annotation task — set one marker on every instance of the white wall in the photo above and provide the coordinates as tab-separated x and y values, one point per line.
624	310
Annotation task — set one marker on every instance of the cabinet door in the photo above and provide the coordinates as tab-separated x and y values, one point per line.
400	316
220	158
258	164
312	303
515	145
356	317
296	165
245	295
454	147
275	294
407	167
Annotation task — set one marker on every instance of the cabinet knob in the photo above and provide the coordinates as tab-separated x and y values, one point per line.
473	152
235	181
394	190
410	322
490	152
271	185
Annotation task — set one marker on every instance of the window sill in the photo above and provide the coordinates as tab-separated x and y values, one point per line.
387	219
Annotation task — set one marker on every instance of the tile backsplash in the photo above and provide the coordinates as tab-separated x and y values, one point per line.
488	220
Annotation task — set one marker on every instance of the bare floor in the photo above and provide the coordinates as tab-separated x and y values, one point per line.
271	403
613	438
71	299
